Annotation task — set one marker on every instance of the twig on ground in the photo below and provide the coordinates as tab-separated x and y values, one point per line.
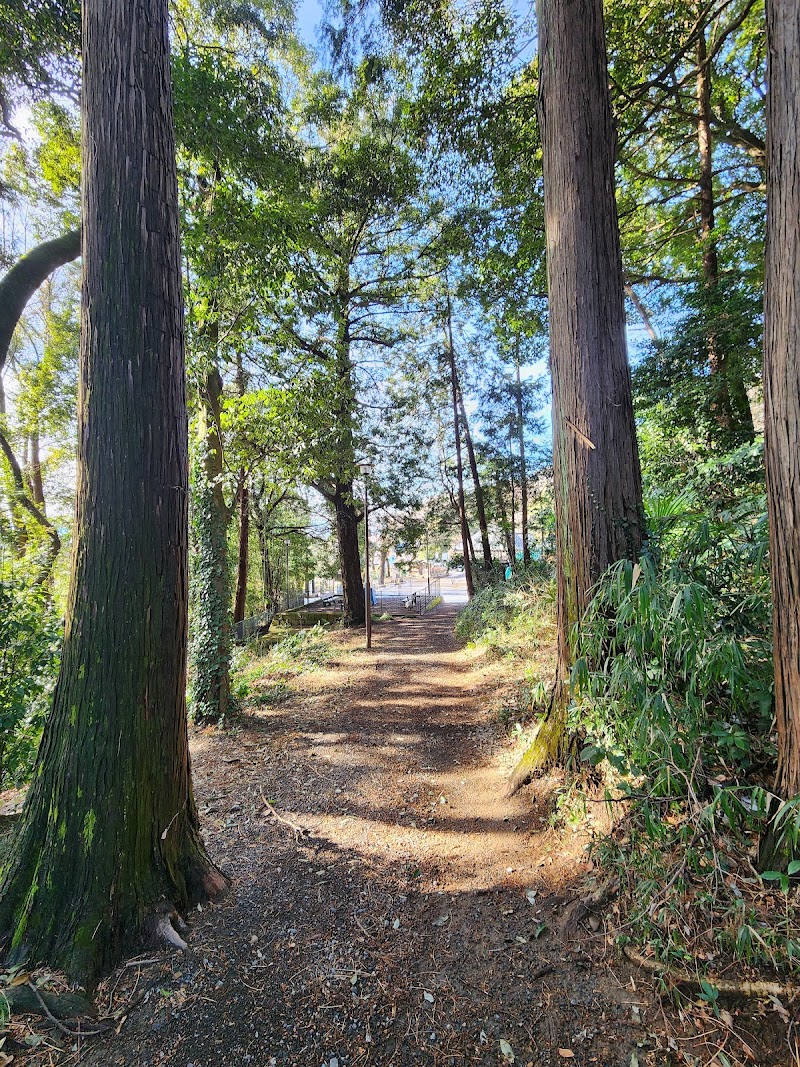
299	831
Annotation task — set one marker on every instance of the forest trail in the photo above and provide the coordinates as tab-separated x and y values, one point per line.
383	910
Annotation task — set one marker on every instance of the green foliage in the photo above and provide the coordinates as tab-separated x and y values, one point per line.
672	699
675	664
511	618
30	651
304	650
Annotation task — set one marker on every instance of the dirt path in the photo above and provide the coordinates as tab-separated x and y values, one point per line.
411	918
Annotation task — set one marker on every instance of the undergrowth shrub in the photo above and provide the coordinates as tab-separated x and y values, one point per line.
30	652
672	704
514	617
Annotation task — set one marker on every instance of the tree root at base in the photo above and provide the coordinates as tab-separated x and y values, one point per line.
724	985
544	750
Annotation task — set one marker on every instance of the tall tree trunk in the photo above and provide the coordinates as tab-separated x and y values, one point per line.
243	558
782	376
211	633
480	503
730	405
462	509
347	520
109	840
598	488
523	471
243	555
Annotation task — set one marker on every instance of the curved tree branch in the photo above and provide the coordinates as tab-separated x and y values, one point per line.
25	277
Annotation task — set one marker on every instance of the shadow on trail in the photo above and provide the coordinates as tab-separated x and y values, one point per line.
381	912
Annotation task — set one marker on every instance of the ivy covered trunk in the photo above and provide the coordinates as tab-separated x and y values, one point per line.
109	841
211	579
782	376
347	520
598	488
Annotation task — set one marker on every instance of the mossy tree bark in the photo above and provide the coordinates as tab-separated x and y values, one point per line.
109	838
598	488
782	376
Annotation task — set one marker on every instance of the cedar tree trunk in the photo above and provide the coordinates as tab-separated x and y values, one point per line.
109	840
782	376
598	488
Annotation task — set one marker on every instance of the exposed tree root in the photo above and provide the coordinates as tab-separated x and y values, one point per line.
45	1010
165	930
548	744
26	999
724	985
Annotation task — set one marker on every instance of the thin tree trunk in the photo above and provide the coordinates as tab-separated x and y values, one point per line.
782	375
504	523
243	555
730	405
21	501
480	504
523	472
35	467
644	314
462	510
109	841
598	488
240	602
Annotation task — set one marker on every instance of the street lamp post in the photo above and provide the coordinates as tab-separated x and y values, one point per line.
365	467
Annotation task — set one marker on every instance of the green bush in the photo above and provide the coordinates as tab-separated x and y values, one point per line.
30	651
511	618
674	662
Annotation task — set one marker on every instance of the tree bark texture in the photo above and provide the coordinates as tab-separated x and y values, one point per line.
109	839
782	376
347	520
25	277
598	490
